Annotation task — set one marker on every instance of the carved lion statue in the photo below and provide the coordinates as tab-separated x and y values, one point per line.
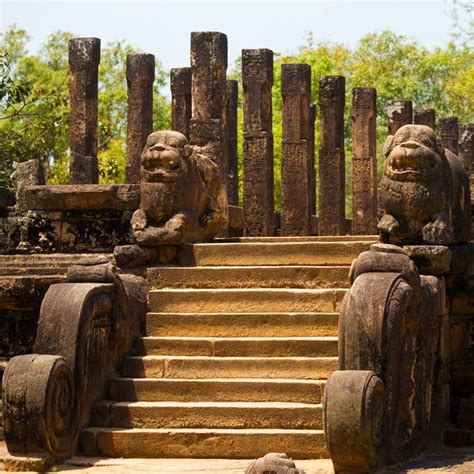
178	192
424	191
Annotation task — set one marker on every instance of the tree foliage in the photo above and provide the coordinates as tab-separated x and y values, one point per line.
397	66
34	106
34	92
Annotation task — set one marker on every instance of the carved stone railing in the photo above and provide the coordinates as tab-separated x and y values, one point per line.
85	329
378	405
391	397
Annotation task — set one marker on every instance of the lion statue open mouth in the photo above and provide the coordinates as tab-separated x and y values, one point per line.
178	192
424	190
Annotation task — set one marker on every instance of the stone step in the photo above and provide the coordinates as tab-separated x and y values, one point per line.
235	415
323	346
273	253
173	367
242	324
202	443
219	390
192	300
30	271
271	276
297	238
47	258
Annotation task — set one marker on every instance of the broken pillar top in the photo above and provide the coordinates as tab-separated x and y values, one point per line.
209	45
296	77
209	65
364	97
331	86
140	65
257	64
29	173
84	52
425	117
180	80
400	112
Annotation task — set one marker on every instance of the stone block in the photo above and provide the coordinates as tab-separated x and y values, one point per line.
83	197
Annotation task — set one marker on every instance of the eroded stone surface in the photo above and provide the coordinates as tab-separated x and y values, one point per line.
364	161
140	76
296	174
449	133
424	190
84	58
257	79
179	193
331	156
400	113
180	99
425	117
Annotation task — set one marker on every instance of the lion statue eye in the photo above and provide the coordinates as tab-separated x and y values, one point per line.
400	139
425	140
173	143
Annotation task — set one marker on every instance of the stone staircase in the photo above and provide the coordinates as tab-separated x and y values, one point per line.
240	340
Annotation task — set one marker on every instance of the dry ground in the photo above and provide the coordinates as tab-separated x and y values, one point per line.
449	461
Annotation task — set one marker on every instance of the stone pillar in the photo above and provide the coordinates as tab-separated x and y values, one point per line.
425	117
181	99
331	156
466	146
84	58
140	76
231	119
449	133
400	112
296	177
208	98
312	120
257	79
364	161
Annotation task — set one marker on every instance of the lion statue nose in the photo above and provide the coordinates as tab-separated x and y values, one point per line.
410	144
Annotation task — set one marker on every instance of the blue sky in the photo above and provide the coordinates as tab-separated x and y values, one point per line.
163	28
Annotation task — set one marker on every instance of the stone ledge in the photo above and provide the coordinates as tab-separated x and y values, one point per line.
441	259
84	197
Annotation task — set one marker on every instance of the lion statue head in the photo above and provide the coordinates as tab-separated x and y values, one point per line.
165	157
414	154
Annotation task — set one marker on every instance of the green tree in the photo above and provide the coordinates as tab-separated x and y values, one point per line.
34	106
397	66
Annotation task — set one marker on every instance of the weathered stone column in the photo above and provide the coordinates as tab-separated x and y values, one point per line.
364	161
231	119
449	133
180	99
466	146
208	96
400	112
425	117
140	76
312	122
257	79
84	58
296	177
331	156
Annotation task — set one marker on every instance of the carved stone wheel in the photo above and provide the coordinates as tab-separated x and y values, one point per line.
39	399
353	413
